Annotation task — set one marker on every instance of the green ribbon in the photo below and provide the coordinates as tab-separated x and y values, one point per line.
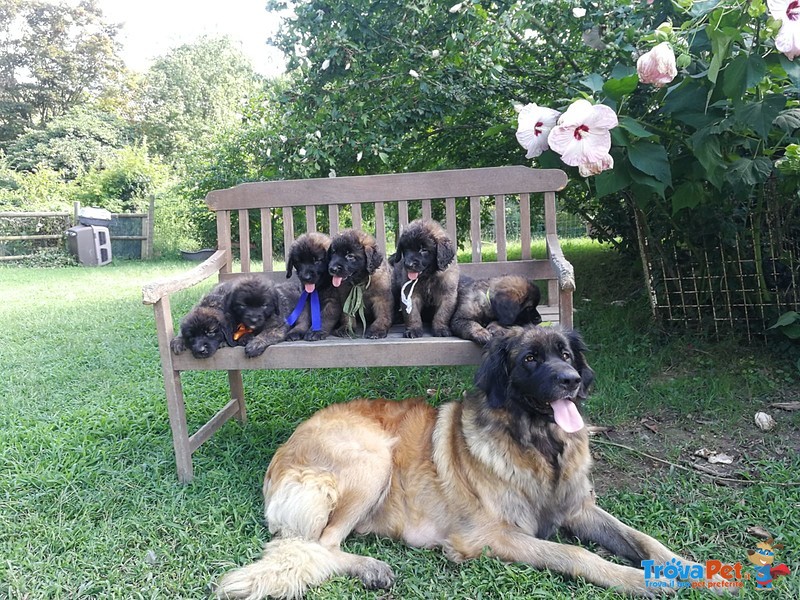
354	306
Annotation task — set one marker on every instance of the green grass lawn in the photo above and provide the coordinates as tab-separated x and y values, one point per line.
90	506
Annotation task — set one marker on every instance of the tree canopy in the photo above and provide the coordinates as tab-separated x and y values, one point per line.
52	57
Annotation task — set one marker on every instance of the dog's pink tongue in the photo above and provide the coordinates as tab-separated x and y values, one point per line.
412	275
337	281
566	415
310	287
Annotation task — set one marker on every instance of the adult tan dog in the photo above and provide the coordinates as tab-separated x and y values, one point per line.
499	472
425	277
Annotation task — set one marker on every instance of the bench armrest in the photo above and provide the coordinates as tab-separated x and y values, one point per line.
156	290
562	267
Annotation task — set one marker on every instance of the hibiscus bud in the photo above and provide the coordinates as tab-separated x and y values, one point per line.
657	66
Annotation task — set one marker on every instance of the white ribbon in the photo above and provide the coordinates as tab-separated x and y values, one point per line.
406	298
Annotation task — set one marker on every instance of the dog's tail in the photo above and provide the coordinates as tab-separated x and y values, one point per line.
287	569
298	507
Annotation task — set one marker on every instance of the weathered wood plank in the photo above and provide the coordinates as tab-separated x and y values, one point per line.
405	186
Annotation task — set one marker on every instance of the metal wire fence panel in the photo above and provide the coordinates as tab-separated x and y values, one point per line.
743	286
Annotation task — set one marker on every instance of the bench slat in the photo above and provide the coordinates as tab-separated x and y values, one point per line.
355	212
311	218
475	227
244	240
405	186
525	224
333	217
500	226
288	231
266	238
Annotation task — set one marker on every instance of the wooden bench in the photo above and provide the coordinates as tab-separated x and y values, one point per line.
347	200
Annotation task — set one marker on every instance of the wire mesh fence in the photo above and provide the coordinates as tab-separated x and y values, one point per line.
739	287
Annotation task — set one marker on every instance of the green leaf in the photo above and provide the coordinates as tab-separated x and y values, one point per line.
644	185
760	115
494	130
707	150
612	181
792	69
746	172
792	331
384	157
743	72
593	82
788	120
651	159
635	128
617	88
687	195
786	318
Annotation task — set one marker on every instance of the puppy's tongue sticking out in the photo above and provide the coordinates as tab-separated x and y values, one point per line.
310	287
336	280
412	275
566	415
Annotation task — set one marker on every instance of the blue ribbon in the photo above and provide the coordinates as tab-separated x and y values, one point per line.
316	317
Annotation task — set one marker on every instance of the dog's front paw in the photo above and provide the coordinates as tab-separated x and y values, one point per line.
177	345
442	332
375	574
412	332
343	332
295	335
255	348
315	336
482	337
375	333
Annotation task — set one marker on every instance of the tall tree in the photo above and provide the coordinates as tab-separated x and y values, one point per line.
53	56
192	92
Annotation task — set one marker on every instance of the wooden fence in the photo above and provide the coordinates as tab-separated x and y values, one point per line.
124	243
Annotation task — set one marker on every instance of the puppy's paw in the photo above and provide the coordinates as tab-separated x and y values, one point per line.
342	332
255	348
442	332
482	337
413	332
177	345
315	336
295	335
375	333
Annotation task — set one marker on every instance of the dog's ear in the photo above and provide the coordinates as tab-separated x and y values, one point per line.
445	253
492	377
398	251
505	309
226	327
374	257
289	266
578	348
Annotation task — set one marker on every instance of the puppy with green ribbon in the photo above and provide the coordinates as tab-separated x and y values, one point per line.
363	278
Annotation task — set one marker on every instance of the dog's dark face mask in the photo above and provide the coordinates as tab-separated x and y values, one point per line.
350	260
537	370
421	255
254	306
205	332
310	261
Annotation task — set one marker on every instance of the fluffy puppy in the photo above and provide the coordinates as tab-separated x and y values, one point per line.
505	301
360	273
257	309
425	277
308	257
206	327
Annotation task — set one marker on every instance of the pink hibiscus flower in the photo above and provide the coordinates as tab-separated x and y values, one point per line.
657	66
582	136
788	38
535	123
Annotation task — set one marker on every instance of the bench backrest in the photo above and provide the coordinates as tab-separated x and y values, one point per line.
343	201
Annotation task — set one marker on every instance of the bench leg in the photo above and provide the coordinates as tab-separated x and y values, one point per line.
237	393
177	422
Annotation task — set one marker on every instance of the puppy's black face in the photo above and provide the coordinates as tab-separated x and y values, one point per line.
540	371
349	259
309	259
204	330
252	302
423	249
